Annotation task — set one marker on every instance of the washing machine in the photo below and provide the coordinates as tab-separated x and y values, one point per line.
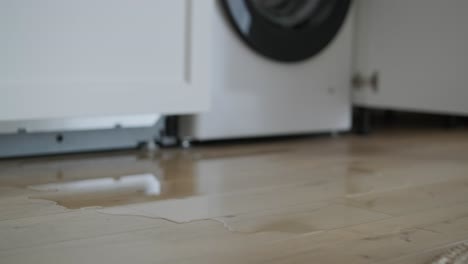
281	67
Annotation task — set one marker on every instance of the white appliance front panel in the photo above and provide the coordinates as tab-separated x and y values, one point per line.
419	49
254	96
73	58
78	124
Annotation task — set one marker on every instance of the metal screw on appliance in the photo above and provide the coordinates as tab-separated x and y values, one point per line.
59	138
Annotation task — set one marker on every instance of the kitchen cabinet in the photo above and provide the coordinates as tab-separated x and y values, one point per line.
82	58
416	51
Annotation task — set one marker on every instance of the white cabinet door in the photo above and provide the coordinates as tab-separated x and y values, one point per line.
420	50
78	58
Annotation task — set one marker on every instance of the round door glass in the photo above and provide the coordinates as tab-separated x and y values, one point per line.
287	13
287	30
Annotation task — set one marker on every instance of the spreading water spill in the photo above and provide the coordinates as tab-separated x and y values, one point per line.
102	191
185	187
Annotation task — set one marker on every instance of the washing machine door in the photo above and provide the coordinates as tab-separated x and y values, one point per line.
286	30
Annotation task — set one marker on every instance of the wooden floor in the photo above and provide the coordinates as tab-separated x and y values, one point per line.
396	197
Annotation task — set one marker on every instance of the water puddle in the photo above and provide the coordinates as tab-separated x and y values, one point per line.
106	192
128	179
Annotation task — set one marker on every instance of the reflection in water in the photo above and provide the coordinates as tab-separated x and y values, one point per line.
104	181
101	191
148	184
